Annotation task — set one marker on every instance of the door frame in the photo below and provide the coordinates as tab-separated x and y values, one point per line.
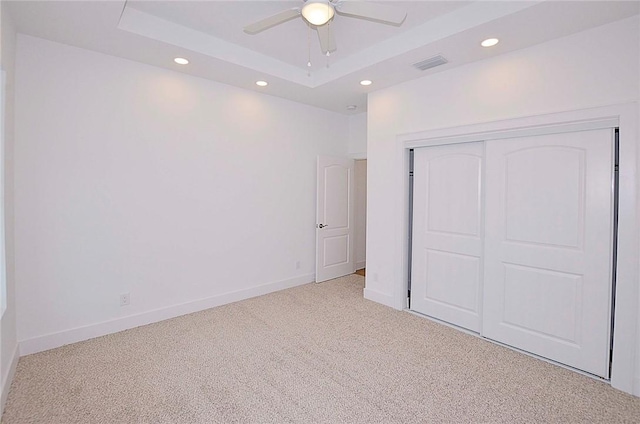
625	117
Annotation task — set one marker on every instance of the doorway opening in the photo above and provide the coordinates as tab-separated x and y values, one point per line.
360	177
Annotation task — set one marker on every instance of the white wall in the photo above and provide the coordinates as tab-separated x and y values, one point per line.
131	178
8	340
360	177
594	68
357	147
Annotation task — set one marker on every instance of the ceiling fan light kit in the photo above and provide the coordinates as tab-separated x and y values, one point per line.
318	12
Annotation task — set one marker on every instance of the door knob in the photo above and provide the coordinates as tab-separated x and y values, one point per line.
322	225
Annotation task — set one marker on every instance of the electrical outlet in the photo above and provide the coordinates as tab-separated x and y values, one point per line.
297	264
125	299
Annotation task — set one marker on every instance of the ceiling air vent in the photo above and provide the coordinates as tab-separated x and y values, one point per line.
432	62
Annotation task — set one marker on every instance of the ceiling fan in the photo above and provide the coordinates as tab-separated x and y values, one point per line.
318	13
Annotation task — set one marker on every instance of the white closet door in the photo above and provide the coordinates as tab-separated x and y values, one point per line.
447	228
547	283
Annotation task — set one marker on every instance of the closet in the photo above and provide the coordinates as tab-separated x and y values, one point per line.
513	239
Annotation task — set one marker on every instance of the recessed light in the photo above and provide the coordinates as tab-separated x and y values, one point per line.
366	82
352	107
490	42
262	83
181	61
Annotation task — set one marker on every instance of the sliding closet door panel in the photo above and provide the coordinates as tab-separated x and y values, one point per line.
547	282
447	230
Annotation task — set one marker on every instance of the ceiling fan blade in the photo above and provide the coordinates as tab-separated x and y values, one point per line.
373	11
327	39
271	21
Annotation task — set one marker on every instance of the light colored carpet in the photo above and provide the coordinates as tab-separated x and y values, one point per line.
318	353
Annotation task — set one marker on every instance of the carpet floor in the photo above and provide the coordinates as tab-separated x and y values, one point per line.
318	353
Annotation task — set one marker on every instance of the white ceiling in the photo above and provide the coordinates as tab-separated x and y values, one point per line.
210	35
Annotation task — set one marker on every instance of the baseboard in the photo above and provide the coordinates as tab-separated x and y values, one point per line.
361	265
379	297
51	341
8	378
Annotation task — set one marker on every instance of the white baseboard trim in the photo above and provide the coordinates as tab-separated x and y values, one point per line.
74	335
7	378
378	297
361	265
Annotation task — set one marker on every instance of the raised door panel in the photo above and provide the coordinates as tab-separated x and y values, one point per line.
337	186
545	208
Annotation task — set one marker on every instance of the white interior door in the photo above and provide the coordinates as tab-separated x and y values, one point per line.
447	233
547	283
335	218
